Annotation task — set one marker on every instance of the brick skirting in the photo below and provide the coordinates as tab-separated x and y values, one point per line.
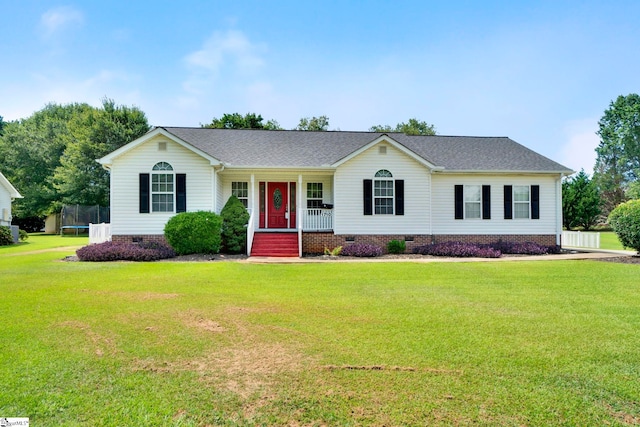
316	242
139	238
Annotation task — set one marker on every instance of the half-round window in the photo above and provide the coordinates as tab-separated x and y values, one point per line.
162	166
383	173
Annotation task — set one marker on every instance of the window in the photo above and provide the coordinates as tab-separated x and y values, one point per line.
241	191
472	201
314	195
162	188
383	193
521	201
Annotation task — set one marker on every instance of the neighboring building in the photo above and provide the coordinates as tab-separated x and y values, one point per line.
7	194
335	188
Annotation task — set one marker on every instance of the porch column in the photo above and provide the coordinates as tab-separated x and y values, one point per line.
301	213
253	195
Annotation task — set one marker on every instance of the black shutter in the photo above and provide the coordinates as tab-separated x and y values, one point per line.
459	202
399	196
181	192
144	192
367	196
508	202
535	202
486	202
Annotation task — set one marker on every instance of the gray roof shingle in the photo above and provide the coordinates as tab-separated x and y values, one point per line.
290	149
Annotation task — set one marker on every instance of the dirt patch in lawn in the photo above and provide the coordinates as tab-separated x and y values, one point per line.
96	343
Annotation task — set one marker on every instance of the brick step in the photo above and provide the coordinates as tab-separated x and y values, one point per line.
275	244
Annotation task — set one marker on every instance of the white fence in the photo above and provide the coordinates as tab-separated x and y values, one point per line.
99	233
581	239
317	220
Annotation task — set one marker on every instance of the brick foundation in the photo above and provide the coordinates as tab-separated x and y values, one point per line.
139	238
316	242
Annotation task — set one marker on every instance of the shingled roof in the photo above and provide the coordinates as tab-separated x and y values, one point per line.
291	149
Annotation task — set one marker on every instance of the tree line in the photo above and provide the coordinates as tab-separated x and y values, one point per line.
589	201
50	156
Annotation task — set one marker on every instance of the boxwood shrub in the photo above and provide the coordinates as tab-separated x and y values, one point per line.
194	232
234	226
111	251
625	221
362	250
6	237
396	247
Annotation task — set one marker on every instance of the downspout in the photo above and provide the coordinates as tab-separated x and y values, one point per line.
214	190
559	210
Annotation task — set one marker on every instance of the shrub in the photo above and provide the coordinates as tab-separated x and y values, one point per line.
6	237
23	235
362	250
111	251
396	247
625	221
526	248
333	252
458	249
194	232
234	226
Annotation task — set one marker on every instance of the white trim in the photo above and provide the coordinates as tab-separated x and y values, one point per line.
13	193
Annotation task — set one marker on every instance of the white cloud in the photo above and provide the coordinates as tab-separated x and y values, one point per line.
57	19
578	152
231	49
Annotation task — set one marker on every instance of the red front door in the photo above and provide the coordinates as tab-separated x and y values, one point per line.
278	203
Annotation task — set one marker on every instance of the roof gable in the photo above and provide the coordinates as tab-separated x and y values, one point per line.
13	193
109	158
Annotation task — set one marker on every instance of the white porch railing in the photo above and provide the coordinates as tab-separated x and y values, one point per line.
251	229
99	233
581	239
317	219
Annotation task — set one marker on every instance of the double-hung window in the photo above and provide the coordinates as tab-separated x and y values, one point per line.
241	191
383	193
162	188
472	201
314	195
521	201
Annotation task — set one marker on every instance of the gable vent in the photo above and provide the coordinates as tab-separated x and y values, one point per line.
382	149
162	146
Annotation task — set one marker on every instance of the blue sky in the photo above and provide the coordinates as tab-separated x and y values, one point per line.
540	72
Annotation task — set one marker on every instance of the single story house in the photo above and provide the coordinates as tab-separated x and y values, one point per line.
7	194
327	189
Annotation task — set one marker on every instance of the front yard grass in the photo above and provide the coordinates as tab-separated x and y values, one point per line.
190	344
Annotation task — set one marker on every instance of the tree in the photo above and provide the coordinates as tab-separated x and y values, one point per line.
412	127
1	125
580	202
50	156
618	154
313	123
238	121
79	179
625	221
234	226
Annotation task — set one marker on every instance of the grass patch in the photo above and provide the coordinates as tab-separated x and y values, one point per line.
189	344
609	240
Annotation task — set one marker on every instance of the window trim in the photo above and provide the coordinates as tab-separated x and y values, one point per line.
315	195
389	183
245	188
520	203
162	169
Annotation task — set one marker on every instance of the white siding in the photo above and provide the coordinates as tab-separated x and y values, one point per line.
444	203
125	216
348	210
5	205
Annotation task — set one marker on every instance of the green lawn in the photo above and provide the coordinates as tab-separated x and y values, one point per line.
609	240
235	344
